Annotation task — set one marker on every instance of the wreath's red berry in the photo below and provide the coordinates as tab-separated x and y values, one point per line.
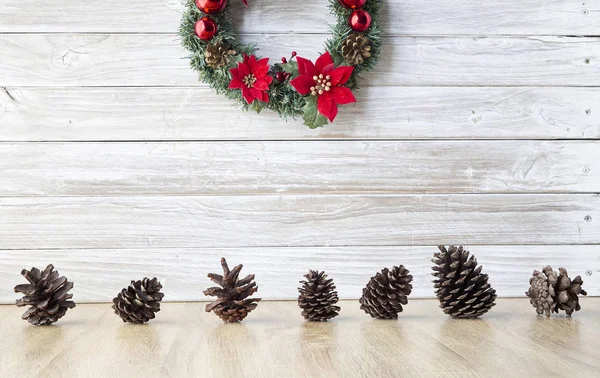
280	76
294	54
283	60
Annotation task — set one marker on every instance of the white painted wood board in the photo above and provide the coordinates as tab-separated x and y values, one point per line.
100	274
408	17
157	60
304	167
163	113
297	220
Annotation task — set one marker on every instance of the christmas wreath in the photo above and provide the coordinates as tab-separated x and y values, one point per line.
296	87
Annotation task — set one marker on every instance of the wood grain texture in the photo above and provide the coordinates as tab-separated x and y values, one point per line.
101	114
156	60
413	17
206	168
295	220
274	341
99	274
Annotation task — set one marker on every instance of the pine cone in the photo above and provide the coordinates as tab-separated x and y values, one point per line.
218	55
541	290
139	302
386	293
232	304
46	293
318	297
550	292
462	290
356	49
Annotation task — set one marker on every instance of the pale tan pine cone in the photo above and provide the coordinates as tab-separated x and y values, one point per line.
218	55
356	49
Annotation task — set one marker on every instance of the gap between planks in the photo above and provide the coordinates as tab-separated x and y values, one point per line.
385	35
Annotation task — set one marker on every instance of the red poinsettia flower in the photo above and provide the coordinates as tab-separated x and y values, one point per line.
326	81
252	77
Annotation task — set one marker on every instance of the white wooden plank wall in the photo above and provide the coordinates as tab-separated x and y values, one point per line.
480	126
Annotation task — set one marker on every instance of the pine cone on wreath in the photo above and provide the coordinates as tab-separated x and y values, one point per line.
356	49
461	288
385	293
551	292
232	304
46	293
318	297
139	302
218	55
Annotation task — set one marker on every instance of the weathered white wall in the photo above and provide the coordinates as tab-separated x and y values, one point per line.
481	126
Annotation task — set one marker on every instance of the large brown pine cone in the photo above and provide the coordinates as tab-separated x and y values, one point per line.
385	293
232	304
461	288
551	292
318	297
218	55
46	293
356	49
139	302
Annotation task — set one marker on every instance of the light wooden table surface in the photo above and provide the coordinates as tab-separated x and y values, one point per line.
274	341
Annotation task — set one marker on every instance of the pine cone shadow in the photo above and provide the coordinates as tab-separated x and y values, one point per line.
37	341
452	327
379	333
318	344
234	341
560	329
129	336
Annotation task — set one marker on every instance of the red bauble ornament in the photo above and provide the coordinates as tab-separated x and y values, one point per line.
206	28
360	20
353	4
211	6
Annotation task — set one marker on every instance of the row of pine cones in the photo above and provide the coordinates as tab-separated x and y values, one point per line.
461	287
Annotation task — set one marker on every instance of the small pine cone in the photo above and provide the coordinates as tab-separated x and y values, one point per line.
385	293
139	302
318	297
46	293
356	49
218	55
232	304
461	288
551	292
541	290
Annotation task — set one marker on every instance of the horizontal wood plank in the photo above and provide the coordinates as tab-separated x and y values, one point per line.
157	60
100	114
100	274
412	17
296	220
181	168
